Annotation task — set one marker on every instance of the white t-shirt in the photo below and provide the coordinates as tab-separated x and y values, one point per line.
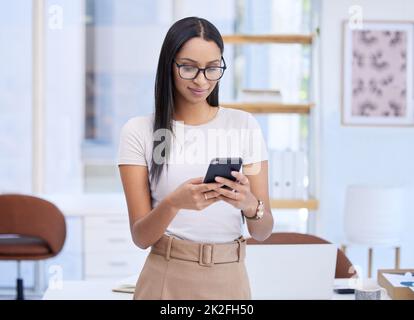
231	133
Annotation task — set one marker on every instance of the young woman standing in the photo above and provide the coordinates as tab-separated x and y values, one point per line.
194	229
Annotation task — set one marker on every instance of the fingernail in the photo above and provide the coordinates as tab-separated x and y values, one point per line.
234	173
217	178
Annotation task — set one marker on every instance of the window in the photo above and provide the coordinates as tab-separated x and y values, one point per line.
122	42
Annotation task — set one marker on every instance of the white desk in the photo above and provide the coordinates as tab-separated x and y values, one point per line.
100	290
85	290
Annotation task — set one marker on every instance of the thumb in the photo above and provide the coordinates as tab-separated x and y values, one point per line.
197	180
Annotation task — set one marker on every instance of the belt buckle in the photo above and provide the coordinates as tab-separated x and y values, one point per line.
240	253
201	261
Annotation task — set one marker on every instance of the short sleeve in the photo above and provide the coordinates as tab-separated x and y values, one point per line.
254	145
132	144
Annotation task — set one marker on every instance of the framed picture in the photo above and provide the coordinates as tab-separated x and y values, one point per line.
378	74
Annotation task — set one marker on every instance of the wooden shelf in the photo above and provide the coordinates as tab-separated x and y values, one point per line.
269	38
311	204
269	107
266	107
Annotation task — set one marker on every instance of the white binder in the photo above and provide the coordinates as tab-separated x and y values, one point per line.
288	175
276	175
300	175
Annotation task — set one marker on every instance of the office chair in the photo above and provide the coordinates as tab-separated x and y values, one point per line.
30	229
344	267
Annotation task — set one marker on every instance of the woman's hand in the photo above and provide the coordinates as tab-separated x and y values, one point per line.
193	194
241	196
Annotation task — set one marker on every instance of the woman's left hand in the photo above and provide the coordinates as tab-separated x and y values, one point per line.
241	196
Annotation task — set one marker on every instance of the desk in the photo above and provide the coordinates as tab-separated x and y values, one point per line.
86	290
101	290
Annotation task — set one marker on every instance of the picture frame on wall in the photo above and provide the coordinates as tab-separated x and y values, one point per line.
378	74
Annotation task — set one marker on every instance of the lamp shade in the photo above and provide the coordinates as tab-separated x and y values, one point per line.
373	215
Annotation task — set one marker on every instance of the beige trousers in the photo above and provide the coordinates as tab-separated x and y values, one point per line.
179	269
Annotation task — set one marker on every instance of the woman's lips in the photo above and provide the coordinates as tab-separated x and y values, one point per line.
197	92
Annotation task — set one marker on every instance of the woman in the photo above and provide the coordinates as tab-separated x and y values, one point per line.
194	229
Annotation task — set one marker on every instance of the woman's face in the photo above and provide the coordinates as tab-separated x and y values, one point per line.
200	53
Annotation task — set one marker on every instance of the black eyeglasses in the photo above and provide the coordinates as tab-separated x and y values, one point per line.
188	72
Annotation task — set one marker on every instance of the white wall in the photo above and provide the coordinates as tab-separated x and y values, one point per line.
361	155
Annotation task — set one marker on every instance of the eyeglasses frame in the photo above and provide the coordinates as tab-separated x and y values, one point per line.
224	67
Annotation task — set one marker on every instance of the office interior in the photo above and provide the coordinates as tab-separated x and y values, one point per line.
329	82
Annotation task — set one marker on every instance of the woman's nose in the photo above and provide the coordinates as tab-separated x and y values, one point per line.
200	79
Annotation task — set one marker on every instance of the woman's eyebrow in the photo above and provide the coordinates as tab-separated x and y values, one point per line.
217	60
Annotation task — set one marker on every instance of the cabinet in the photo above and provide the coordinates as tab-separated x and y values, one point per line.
308	109
98	245
108	248
100	240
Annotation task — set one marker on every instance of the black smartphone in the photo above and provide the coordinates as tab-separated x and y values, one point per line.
222	167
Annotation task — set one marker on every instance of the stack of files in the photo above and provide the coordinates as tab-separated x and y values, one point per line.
288	175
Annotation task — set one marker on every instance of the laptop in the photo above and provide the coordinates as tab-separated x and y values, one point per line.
291	272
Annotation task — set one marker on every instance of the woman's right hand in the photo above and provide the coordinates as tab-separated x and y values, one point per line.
193	194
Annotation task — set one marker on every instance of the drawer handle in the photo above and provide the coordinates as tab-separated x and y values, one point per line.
117	221
116	240
117	263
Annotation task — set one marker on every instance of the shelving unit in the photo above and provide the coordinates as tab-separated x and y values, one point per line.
281	108
311	204
268	107
266	38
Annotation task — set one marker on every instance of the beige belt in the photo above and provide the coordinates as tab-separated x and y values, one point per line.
206	254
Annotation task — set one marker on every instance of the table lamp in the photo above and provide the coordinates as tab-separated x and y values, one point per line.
374	217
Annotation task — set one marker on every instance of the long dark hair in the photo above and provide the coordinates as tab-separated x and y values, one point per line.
179	33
